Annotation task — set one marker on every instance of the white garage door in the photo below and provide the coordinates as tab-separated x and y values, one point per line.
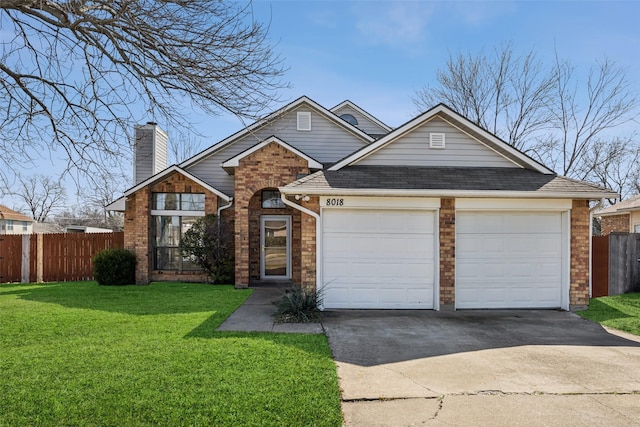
509	260
378	258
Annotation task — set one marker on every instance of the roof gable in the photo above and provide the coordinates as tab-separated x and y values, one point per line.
371	125
271	118
235	160
489	144
169	171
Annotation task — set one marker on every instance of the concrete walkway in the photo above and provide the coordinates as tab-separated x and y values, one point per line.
256	315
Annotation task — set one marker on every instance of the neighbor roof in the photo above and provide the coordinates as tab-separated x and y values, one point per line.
443	181
6	213
620	208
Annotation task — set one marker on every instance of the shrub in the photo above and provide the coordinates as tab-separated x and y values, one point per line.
209	244
114	267
299	304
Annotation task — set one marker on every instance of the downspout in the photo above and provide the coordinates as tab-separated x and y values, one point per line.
318	236
221	208
598	205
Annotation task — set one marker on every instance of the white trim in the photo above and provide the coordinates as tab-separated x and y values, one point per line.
514	204
118	205
303	121
268	119
178	169
379	203
566	262
235	161
175	212
417	121
318	239
498	194
437	140
263	219
350	104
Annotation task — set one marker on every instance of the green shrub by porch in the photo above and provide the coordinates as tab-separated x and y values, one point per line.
114	267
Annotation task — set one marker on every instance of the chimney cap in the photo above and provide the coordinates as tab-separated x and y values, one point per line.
152	123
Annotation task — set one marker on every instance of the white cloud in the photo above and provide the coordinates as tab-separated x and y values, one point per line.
393	24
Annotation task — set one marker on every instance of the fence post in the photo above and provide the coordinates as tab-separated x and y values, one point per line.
26	253
40	259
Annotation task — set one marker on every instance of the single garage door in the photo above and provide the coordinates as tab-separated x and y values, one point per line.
509	260
378	258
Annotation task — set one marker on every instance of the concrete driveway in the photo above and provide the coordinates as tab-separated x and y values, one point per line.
483	368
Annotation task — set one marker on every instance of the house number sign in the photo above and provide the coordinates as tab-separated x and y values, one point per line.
333	201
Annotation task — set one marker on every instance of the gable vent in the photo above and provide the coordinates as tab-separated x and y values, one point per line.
304	120
436	140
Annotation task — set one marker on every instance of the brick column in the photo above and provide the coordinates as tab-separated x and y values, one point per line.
447	253
309	243
136	232
579	271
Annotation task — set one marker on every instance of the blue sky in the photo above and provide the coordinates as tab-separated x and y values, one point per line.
378	53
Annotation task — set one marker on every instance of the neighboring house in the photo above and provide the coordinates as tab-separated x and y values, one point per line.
437	213
85	229
623	217
12	222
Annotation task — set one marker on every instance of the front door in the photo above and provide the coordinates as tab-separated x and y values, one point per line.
275	247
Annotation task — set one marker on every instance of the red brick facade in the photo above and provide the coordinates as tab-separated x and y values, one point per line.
614	224
270	167
274	166
447	251
579	264
138	232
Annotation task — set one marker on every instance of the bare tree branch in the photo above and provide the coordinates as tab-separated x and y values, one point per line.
547	112
41	195
77	74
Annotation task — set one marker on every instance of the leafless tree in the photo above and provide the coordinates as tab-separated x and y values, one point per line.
73	73
94	199
182	147
41	195
505	94
548	112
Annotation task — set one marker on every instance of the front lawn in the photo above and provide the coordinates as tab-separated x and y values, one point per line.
620	312
82	354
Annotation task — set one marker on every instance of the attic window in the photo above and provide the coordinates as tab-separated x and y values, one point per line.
349	119
304	120
436	140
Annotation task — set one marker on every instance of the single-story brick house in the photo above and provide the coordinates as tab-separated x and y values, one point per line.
438	213
623	217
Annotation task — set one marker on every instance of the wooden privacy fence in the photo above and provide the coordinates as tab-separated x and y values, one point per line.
615	266
52	257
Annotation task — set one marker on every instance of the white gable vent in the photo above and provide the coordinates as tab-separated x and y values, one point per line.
436	140
304	120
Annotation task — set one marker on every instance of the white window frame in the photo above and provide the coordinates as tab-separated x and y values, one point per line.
304	121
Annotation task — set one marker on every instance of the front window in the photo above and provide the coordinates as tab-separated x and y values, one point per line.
271	199
169	226
10	225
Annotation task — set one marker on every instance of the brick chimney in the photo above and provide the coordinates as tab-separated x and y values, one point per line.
149	151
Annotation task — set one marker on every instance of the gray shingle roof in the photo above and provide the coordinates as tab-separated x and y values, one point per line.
443	179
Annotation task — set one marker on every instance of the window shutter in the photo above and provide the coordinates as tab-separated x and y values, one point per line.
304	120
436	140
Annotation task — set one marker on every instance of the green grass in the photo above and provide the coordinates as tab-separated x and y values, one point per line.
621	312
79	354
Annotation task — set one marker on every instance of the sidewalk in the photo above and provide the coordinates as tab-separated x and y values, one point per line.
256	315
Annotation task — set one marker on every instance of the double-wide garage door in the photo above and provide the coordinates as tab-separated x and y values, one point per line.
509	260
378	258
